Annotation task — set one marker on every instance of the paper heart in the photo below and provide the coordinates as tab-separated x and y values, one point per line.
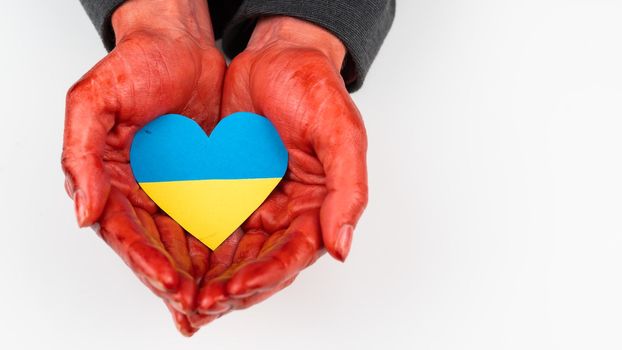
209	185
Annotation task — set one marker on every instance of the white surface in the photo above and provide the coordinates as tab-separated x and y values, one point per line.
494	220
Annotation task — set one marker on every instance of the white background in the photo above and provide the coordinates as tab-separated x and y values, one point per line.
494	220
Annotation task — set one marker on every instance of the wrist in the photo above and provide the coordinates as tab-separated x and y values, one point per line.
190	17
297	32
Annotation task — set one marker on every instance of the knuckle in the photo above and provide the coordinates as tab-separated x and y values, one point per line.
68	162
86	93
360	196
79	91
65	163
71	159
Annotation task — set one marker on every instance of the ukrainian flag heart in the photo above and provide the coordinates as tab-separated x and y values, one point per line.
209	185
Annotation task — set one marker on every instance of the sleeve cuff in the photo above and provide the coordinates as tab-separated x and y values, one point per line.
361	25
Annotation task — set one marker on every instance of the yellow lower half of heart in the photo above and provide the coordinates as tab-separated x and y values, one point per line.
210	210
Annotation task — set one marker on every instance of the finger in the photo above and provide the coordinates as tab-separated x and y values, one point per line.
87	122
183	297
297	248
121	229
122	178
273	214
181	321
343	157
249	246
174	239
237	303
212	298
199	255
150	227
222	257
198	320
246	302
288	200
182	300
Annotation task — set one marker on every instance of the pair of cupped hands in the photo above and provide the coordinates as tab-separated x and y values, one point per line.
165	61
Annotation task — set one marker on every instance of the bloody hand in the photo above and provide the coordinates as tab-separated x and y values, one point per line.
164	62
290	73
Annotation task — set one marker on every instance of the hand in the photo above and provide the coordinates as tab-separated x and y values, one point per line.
290	73
164	62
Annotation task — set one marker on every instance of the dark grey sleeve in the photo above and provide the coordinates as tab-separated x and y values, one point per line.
99	12
362	25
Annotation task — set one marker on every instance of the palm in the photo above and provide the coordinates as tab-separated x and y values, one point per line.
305	98
147	75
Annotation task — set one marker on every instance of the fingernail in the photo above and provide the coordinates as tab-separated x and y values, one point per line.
79	201
218	308
344	241
68	186
176	305
156	284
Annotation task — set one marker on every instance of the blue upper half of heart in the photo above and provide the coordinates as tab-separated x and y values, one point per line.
175	148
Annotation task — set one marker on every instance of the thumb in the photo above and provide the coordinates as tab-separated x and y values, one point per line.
87	123
342	152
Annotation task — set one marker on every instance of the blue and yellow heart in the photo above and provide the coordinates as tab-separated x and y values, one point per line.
209	185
